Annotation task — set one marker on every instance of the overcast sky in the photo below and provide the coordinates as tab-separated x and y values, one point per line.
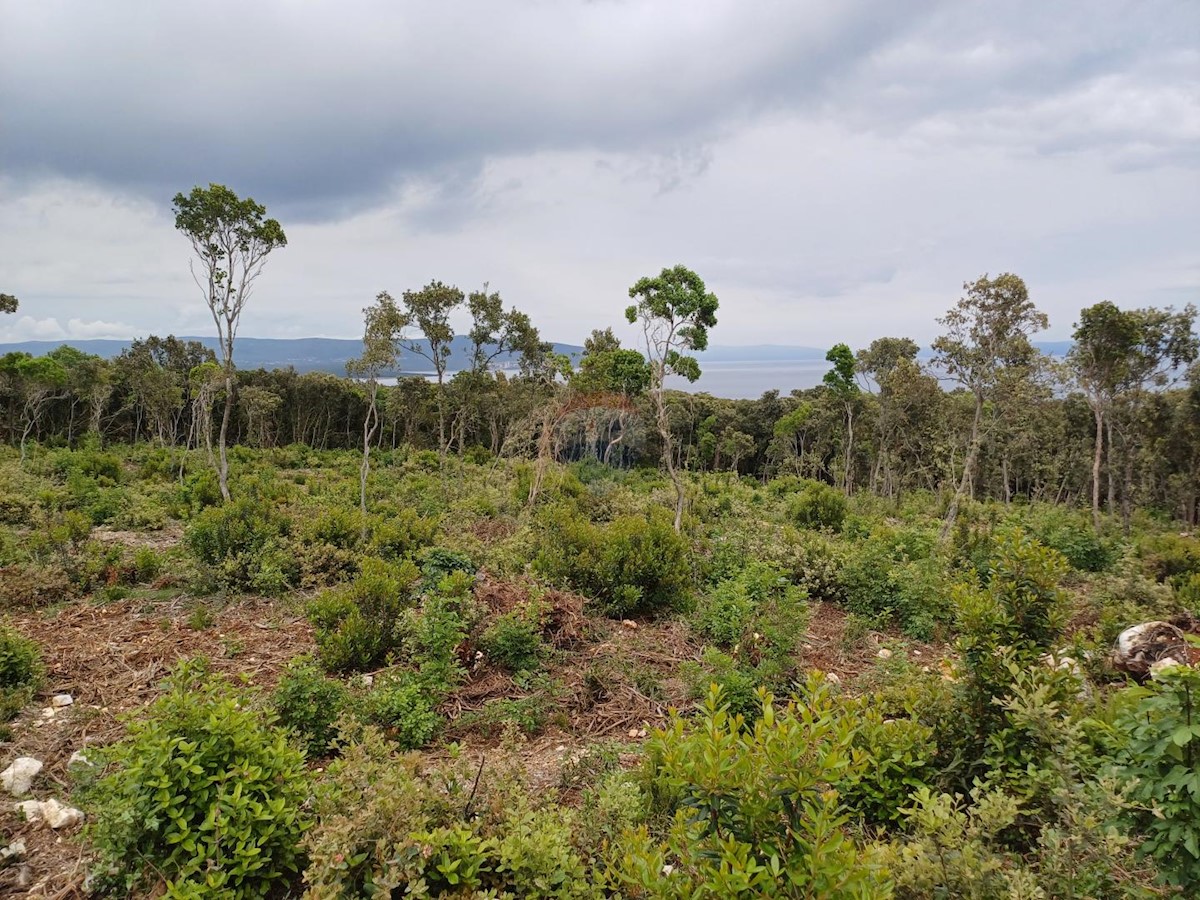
833	170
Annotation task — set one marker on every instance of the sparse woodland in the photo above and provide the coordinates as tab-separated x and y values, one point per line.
554	631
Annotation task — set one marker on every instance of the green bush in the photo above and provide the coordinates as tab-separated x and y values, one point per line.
238	546
891	576
749	811
1167	556
1005	628
759	612
816	563
514	640
899	760
633	565
1072	535
439	628
817	505
953	846
327	546
309	704
402	705
1161	764
196	492
438	562
204	793
147	564
21	671
360	625
402	535
738	684
387	828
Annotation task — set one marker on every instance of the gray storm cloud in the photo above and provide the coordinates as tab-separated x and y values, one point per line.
805	151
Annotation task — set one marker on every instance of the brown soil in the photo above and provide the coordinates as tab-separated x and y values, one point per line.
615	681
170	536
111	659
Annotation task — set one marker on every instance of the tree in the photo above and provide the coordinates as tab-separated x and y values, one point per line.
883	355
8	303
38	380
429	309
840	381
790	435
676	311
735	445
231	240
879	363
383	329
613	377
1164	344
261	406
986	350
494	333
1100	361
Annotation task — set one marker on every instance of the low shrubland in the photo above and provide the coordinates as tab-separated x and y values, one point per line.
799	693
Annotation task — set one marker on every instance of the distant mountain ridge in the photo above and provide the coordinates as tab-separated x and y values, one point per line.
331	354
302	354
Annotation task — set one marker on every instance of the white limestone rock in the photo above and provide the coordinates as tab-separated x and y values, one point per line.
59	815
18	777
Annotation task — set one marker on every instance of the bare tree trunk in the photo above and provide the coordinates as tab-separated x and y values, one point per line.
223	468
370	423
1127	492
968	467
664	431
1097	458
1112	482
849	450
545	444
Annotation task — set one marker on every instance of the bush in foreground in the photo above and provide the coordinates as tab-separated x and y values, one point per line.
203	794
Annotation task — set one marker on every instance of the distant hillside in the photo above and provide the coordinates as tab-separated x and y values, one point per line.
331	354
302	354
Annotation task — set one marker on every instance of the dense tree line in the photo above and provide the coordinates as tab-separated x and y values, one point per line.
1116	424
882	422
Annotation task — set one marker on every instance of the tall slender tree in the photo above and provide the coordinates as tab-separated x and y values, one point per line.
430	309
383	329
840	381
1099	364
231	239
986	350
676	311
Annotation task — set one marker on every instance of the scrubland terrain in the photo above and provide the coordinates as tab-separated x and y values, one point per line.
461	694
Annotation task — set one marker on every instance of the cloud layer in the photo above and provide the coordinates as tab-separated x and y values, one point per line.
834	170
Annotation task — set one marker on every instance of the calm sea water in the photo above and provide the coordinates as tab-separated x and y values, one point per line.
749	379
740	380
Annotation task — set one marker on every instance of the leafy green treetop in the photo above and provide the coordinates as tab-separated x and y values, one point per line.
676	311
429	309
231	239
986	349
840	381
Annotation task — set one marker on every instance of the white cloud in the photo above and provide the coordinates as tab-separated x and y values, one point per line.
834	173
27	328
